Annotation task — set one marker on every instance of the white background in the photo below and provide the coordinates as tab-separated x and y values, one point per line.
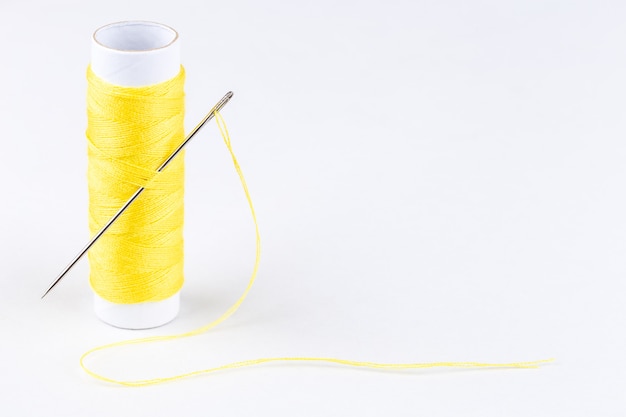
435	181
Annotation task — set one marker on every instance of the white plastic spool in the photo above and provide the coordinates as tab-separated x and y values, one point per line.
134	54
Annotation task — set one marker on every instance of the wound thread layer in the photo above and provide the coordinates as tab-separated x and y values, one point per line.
129	131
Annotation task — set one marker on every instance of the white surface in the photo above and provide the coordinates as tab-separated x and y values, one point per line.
134	54
434	181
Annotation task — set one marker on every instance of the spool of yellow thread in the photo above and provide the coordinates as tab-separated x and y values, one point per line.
136	271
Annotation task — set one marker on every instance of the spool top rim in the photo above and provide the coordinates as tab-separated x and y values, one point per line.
135	36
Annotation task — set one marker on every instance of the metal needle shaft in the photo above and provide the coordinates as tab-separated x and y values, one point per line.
137	193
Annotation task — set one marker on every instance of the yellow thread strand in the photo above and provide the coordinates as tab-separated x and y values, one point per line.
345	362
129	131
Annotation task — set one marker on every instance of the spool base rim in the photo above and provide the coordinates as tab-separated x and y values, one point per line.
137	316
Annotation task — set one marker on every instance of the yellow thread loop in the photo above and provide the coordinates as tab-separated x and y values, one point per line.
371	365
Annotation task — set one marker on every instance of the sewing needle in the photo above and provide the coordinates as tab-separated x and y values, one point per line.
220	104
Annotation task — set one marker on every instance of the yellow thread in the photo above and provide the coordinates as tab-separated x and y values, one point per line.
140	258
372	365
